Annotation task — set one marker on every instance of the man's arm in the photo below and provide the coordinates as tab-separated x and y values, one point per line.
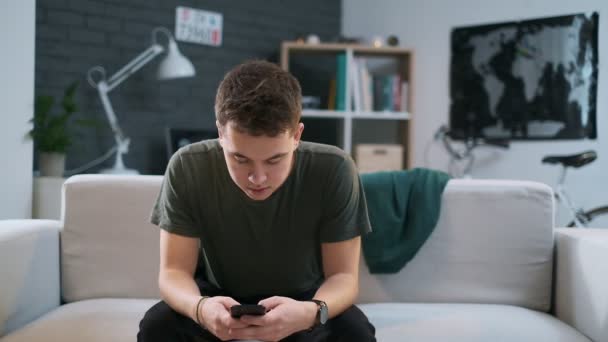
339	290
341	269
178	259
341	285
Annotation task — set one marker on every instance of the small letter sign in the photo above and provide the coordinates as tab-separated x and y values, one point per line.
198	26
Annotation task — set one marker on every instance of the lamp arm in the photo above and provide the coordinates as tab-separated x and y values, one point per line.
104	87
134	65
103	90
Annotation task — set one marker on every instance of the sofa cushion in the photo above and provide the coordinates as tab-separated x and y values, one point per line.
108	248
117	320
493	244
466	323
102	320
29	271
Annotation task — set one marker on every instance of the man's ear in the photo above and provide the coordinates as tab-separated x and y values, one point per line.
220	131
298	134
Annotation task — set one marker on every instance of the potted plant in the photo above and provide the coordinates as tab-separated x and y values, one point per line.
50	131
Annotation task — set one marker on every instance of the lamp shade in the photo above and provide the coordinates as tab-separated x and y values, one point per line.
174	65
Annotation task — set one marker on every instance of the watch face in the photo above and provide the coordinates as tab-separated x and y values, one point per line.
323	314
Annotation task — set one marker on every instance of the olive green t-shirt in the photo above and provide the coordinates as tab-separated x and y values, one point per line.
269	247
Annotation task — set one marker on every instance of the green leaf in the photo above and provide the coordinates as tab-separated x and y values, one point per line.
71	89
68	99
87	122
42	107
50	131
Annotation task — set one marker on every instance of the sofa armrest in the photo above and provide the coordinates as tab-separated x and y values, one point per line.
581	288
29	271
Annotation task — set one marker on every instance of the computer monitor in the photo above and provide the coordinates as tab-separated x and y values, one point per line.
179	137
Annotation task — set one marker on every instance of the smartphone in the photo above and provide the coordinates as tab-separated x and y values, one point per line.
247	309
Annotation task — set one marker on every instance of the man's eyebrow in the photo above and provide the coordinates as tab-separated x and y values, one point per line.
236	154
276	156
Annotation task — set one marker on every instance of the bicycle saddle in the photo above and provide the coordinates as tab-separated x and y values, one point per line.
574	160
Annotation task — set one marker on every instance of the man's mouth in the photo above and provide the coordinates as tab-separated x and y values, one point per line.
258	190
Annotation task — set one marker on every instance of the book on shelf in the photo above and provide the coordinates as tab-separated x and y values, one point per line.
396	98
404	96
341	82
369	92
355	78
331	98
376	92
361	86
366	86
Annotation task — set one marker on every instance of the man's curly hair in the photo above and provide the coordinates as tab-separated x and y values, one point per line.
259	98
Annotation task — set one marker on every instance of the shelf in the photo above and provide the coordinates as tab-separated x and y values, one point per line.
381	115
338	47
332	114
323	114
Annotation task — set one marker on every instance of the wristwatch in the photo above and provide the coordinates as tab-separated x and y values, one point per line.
322	313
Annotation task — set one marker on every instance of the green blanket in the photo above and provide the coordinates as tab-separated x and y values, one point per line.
403	210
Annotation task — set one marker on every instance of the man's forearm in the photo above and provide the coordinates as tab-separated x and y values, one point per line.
179	290
339	291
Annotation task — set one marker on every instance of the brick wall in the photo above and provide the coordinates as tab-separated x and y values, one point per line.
74	35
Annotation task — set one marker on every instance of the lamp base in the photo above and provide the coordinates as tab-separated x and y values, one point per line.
119	167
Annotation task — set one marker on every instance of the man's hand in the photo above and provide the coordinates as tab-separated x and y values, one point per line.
215	316
285	316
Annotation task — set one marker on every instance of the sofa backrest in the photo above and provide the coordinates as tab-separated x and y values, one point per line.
493	244
108	248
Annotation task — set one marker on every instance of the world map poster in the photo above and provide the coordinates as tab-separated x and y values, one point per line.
530	79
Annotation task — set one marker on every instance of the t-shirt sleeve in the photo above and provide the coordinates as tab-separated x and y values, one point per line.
173	210
345	214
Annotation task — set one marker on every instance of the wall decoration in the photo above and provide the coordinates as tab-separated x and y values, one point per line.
531	79
198	26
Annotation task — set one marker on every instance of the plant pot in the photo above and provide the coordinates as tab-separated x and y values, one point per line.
51	164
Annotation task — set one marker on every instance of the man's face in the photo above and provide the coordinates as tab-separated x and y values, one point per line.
258	165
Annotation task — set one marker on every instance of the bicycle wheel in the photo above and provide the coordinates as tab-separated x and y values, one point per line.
595	216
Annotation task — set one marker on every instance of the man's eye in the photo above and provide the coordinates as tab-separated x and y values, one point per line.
274	161
240	160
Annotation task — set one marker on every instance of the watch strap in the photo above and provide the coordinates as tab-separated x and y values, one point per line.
321	306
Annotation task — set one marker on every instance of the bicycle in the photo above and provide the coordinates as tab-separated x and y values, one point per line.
580	218
465	155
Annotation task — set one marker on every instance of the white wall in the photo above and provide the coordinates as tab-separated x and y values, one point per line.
425	27
17	34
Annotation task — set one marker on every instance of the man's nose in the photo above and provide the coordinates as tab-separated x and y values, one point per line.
257	176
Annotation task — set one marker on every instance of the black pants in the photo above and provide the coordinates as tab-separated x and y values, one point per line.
161	323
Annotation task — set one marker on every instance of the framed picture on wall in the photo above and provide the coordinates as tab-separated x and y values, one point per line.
530	79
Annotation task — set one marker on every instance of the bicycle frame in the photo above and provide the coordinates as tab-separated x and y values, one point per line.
466	153
456	155
578	214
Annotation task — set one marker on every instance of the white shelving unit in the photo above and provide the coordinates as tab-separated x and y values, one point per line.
348	117
403	57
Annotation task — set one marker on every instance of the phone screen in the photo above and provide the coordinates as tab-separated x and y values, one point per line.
247	309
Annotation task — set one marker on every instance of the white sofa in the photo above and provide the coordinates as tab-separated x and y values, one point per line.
494	269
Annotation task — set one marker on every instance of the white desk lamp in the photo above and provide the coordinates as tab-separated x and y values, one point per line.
174	65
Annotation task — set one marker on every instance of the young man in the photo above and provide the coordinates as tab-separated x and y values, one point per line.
268	219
